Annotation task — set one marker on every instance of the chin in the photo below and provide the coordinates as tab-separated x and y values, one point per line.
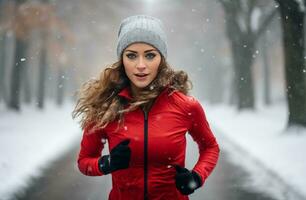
141	86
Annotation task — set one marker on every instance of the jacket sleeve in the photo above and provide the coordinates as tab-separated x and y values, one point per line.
203	136
90	152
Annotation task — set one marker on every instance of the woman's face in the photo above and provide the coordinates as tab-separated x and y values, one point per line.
141	62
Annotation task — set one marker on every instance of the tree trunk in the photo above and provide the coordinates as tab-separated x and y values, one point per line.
26	85
3	38
17	71
242	45
60	86
42	67
243	60
2	68
266	71
293	41
71	85
42	73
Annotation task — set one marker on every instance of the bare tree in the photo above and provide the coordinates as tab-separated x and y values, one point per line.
30	16
3	18
42	70
20	54
243	32
266	71
292	15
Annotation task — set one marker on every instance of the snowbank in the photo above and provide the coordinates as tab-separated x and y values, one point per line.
262	135
30	140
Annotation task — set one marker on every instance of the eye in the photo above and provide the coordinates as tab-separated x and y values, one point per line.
131	55
150	55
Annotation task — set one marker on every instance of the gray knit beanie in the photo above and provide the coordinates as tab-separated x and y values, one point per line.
141	28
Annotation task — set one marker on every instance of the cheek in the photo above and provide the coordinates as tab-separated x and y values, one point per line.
127	67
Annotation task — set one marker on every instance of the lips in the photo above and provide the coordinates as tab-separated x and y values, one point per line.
141	75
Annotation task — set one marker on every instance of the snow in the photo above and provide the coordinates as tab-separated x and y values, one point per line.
30	140
259	140
256	140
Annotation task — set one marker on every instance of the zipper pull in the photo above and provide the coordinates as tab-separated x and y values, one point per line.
145	113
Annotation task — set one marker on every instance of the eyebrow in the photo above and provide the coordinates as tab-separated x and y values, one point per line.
145	51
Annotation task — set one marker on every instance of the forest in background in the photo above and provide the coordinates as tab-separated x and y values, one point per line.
243	53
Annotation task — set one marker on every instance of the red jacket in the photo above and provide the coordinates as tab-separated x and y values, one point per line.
157	141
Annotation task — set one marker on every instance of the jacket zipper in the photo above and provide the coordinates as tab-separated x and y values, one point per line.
145	155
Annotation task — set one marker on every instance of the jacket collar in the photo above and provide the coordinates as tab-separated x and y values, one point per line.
126	93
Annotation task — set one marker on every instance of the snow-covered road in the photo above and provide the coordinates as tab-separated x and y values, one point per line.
62	180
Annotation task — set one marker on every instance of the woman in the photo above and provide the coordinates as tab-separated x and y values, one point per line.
141	107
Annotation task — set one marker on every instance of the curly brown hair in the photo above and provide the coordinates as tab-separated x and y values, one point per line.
98	103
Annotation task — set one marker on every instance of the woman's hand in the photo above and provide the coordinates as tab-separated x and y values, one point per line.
186	181
119	158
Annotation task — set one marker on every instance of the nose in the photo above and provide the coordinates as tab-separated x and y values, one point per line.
141	65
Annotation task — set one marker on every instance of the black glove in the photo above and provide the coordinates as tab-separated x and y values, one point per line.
119	158
186	181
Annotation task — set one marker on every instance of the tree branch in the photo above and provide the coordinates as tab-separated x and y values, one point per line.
265	23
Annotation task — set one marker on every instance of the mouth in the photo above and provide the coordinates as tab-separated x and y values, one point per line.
141	75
